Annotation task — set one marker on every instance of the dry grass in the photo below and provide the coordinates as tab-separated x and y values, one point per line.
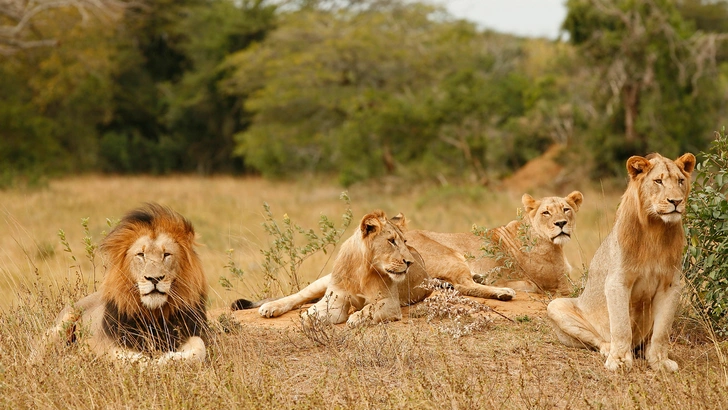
399	365
227	214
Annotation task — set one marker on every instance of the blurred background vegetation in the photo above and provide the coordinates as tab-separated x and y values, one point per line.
352	88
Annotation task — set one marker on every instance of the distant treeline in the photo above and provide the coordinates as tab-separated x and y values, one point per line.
356	88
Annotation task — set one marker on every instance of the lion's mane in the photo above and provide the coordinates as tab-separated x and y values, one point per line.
129	322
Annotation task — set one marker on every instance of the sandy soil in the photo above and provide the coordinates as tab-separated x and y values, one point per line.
523	304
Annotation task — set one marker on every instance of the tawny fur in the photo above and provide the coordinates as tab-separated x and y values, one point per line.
152	247
634	279
374	274
540	266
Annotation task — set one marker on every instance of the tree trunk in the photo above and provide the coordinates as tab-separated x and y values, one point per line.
631	98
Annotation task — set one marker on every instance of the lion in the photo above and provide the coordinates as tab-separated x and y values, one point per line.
374	274
152	298
632	291
537	266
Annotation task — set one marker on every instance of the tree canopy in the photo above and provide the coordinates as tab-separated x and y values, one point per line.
357	88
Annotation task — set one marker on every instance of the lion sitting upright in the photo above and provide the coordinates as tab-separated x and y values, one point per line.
634	284
152	298
374	275
455	257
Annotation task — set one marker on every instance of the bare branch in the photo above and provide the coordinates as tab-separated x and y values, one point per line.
16	19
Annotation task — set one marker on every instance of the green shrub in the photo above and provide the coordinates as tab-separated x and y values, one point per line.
706	262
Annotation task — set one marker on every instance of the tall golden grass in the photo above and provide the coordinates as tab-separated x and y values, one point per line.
227	214
398	365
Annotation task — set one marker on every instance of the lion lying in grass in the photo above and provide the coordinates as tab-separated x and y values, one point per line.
374	275
454	257
152	298
634	285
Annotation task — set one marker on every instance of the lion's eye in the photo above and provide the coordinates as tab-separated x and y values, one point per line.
392	241
546	213
140	254
658	181
681	181
567	209
167	254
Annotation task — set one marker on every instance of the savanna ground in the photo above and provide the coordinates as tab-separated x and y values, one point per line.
437	357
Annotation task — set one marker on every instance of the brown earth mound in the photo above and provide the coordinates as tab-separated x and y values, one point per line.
523	304
541	172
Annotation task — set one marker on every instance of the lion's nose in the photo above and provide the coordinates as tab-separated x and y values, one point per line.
154	280
560	224
675	202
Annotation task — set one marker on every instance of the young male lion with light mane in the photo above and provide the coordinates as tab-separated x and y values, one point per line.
152	298
374	275
542	267
634	285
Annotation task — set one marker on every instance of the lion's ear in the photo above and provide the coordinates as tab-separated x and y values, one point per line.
686	162
370	224
529	203
575	199
637	165
399	220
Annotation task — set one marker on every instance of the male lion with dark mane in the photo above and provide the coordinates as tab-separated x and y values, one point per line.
539	265
634	285
374	274
152	298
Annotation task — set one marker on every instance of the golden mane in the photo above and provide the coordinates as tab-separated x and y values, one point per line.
644	235
119	287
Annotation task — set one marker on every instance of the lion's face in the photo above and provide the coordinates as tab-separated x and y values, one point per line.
153	266
390	254
151	263
663	184
553	218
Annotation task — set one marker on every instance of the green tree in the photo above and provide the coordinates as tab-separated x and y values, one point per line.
659	89
378	87
169	114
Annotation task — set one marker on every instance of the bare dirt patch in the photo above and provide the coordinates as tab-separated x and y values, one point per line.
522	305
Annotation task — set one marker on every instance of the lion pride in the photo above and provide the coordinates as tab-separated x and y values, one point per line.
633	286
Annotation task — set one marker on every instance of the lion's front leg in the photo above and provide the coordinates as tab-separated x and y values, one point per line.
126	355
383	310
315	290
620	325
192	350
664	306
332	308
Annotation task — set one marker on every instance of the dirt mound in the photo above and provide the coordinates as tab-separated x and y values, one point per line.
540	172
523	304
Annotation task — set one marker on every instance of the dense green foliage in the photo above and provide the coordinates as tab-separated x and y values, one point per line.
660	92
706	264
358	88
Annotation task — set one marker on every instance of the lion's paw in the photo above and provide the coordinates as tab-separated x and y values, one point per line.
614	363
506	294
666	365
270	309
356	319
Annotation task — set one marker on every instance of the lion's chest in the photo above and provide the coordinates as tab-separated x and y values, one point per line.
152	333
647	286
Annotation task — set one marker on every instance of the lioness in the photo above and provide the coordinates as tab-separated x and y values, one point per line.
374	274
634	278
541	268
